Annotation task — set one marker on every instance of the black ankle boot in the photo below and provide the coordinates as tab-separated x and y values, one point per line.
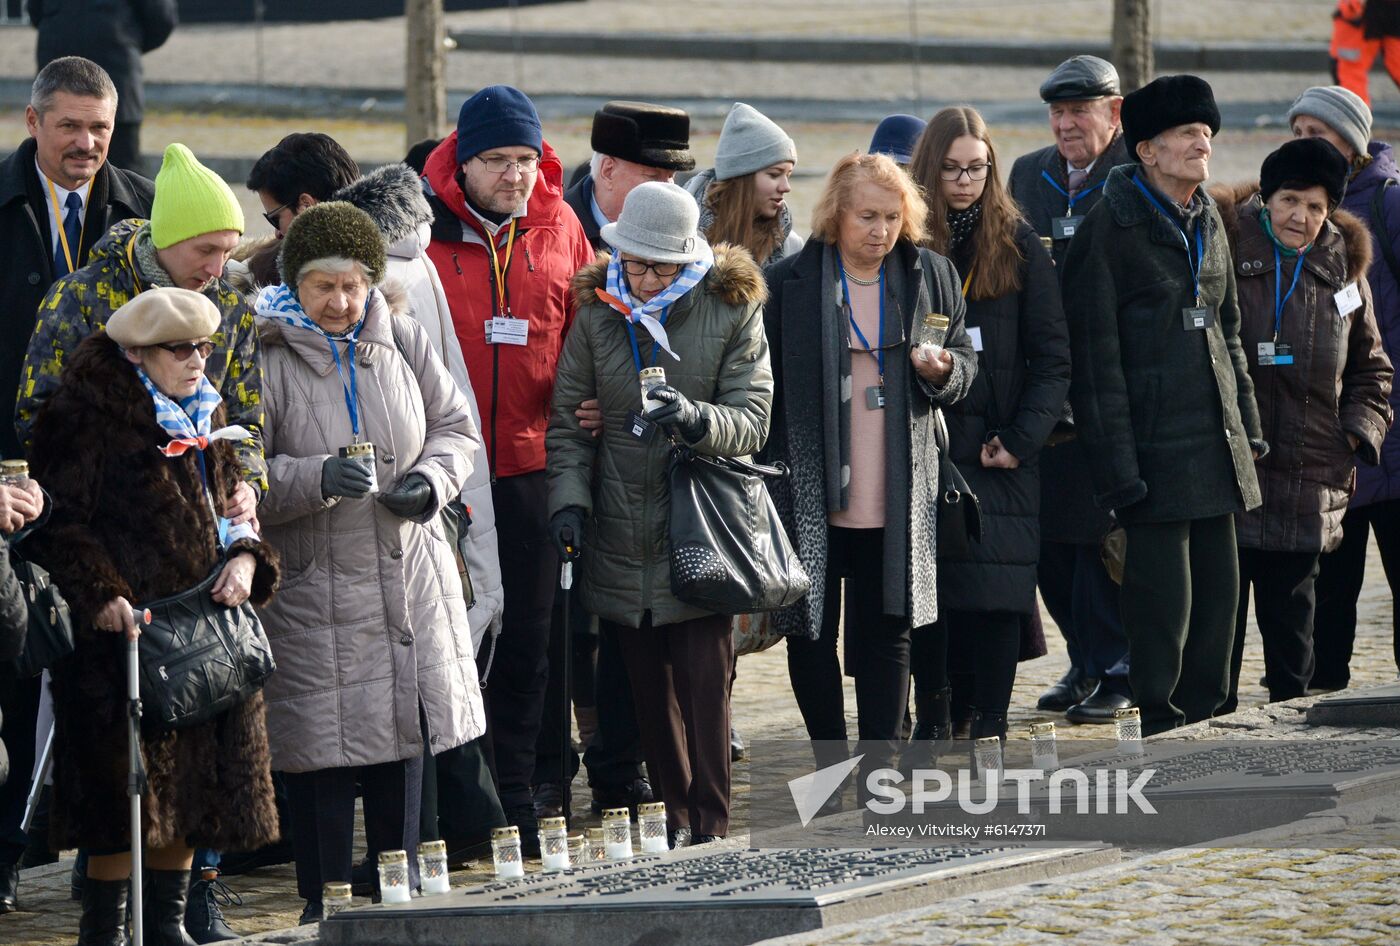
935	714
166	894
104	913
987	723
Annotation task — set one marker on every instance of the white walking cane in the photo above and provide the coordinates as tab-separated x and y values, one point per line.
135	779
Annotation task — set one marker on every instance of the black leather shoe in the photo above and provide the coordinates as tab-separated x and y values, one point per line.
463	852
737	751
204	921
104	913
9	888
233	863
1098	706
313	912
364	879
523	818
1074	687
549	800
628	795
704	839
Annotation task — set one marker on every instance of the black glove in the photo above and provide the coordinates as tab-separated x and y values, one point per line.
566	529
677	411
410	499
350	477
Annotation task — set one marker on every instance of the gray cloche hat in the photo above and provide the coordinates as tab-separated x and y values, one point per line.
659	223
1079	78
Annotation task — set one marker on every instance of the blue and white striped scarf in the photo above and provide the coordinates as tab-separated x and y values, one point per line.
687	279
278	302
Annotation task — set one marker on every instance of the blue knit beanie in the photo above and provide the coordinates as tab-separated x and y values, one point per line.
497	117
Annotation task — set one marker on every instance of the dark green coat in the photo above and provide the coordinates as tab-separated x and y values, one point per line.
1167	415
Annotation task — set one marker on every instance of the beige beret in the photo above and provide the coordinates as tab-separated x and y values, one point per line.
163	315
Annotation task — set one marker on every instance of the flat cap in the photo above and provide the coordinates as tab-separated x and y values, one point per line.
1079	78
162	315
654	135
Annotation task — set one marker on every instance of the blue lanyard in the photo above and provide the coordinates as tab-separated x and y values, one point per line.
1195	263
1279	303
632	337
850	314
1077	197
351	390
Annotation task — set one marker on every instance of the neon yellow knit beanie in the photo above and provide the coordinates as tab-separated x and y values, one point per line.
191	200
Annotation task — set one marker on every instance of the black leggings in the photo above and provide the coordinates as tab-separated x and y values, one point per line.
975	651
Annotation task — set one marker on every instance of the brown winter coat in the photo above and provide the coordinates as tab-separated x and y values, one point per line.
1338	384
370	623
128	521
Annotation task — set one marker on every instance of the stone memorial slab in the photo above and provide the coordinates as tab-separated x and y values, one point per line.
1371	707
699	898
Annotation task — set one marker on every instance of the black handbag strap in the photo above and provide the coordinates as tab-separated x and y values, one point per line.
1378	223
202	588
682	454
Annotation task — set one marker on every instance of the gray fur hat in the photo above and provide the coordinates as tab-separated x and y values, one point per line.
658	223
392	195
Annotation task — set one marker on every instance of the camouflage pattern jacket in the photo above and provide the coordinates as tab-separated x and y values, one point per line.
79	304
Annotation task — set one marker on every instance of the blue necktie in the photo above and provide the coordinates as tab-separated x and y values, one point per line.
73	229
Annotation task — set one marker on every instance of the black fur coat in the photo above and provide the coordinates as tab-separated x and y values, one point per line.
129	521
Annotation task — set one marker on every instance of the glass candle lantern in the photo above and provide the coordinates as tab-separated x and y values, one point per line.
336	897
554	844
986	753
578	850
597	846
432	867
1044	753
1128	724
651	827
617	833
393	877
505	852
14	473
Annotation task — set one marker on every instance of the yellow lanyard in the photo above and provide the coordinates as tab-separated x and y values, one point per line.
500	270
70	254
131	259
968	281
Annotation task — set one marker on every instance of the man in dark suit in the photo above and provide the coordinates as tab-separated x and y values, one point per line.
58	196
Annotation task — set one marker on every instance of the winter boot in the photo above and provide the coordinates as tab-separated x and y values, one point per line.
166	893
204	920
933	732
104	913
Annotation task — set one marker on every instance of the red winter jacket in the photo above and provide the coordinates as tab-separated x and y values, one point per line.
513	383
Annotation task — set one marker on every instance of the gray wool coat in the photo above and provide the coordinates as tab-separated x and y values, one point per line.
371	624
921	283
1167	415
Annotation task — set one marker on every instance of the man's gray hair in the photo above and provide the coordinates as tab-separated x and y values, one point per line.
595	164
74	75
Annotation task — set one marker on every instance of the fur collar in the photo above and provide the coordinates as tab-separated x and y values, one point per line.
735	278
393	197
1344	239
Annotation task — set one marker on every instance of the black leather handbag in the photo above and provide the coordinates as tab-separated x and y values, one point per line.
959	510
49	636
729	552
199	657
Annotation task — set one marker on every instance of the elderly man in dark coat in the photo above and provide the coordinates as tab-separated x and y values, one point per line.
1056	186
1163	400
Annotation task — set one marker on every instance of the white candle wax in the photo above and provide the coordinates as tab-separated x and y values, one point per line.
434	885
619	850
654	845
555	860
510	869
396	894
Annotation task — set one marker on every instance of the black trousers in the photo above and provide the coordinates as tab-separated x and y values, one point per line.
1339	582
1283	609
1180	588
877	653
460	805
984	645
322	807
614	757
514	691
19	701
680	674
1083	601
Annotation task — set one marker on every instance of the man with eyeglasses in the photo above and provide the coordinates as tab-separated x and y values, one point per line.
505	246
1056	187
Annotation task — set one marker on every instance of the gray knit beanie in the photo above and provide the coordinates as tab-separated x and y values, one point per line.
1341	109
750	142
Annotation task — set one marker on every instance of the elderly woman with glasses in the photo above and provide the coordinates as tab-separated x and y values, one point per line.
142	472
664	301
368	437
869	343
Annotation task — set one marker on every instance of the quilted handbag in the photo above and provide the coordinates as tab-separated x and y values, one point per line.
729	552
199	657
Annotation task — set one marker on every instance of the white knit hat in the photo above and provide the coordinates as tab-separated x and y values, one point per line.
750	141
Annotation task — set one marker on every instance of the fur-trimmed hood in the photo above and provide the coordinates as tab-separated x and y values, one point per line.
393	197
1343	234
735	277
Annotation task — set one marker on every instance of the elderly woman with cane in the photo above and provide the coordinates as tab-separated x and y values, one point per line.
132	449
663	290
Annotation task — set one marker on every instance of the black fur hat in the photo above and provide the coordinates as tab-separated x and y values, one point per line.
654	135
1167	102
1303	163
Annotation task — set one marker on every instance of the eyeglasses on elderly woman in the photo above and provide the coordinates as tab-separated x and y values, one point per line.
184	350
637	267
